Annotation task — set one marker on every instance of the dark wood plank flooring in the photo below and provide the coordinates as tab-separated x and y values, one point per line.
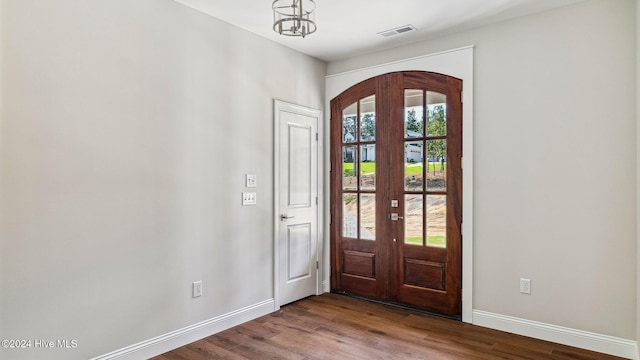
334	326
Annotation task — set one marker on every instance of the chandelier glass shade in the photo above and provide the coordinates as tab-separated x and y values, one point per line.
294	17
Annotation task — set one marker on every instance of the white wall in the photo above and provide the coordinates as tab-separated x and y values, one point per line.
554	163
127	129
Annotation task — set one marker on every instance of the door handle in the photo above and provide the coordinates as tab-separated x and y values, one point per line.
395	217
285	217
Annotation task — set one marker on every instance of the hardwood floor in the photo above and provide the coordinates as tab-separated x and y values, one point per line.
334	326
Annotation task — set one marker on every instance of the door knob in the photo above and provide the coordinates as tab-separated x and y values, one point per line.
284	217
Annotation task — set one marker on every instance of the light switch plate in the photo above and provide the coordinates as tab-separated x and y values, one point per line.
249	198
251	180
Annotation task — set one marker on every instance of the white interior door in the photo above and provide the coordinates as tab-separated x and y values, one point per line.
296	202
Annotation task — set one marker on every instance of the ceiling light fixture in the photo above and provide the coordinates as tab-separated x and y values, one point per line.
294	17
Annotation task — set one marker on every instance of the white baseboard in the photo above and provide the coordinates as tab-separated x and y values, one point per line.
163	343
558	334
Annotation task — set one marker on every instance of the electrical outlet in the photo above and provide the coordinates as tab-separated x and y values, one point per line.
525	286
197	289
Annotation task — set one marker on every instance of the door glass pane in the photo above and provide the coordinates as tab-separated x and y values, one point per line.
413	224
437	170
413	165
413	113
367	216
368	118
437	111
437	220
350	215
349	178
349	126
368	167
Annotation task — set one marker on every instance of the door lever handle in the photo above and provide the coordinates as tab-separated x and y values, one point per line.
395	217
285	217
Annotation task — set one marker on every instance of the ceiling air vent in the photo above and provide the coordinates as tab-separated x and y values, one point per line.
397	31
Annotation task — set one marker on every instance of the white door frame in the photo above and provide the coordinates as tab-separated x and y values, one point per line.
279	106
457	63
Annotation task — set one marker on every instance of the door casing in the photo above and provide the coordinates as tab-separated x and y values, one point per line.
458	63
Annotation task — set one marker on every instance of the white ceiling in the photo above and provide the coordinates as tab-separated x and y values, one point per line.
348	28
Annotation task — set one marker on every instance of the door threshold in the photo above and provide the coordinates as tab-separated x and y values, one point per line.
398	305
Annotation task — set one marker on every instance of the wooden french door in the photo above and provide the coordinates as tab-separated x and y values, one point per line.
396	190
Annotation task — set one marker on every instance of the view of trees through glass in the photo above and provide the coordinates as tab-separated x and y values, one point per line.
425	171
436	126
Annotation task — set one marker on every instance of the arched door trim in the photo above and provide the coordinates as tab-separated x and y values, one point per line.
455	62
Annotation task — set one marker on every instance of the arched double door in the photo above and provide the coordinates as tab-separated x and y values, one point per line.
396	190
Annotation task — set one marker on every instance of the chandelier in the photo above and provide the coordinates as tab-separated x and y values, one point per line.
294	17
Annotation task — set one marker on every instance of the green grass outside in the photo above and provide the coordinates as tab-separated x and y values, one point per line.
410	168
434	240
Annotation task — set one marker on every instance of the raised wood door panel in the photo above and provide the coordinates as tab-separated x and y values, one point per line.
415	256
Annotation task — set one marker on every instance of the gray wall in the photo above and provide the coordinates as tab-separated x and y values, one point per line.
555	163
118	187
127	129
638	164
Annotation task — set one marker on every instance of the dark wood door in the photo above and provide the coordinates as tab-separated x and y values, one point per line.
396	190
